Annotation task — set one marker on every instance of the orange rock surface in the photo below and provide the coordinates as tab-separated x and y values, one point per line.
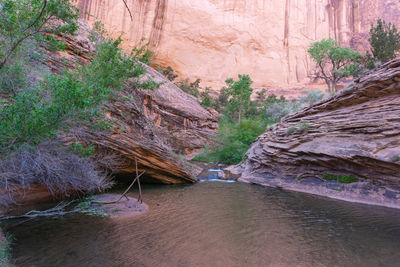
268	39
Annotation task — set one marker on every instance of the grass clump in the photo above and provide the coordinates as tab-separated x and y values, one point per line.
340	178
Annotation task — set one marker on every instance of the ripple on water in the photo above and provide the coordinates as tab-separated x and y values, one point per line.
218	224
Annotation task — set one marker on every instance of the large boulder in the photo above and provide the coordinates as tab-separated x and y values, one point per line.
354	133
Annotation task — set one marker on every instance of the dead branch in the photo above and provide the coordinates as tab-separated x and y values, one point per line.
58	210
124	193
126	5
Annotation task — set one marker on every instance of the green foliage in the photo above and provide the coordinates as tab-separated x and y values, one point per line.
206	100
277	109
12	78
29	19
168	72
339	178
190	88
239	93
143	53
235	139
39	112
334	62
82	151
384	40
5	250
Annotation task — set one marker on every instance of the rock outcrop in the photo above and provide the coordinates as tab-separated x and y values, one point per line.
354	133
268	39
159	128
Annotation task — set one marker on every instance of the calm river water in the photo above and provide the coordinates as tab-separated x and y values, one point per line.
218	224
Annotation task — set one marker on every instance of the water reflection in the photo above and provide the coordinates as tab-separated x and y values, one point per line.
219	224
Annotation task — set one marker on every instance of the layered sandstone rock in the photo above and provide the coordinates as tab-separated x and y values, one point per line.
158	128
354	133
268	39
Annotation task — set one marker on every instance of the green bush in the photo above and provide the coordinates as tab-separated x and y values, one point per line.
234	139
385	42
38	113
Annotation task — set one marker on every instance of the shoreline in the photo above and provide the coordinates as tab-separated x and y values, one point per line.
359	192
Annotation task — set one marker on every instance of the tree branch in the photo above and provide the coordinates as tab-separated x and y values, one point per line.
38	17
127	7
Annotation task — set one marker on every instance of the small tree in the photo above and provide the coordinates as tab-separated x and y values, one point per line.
239	95
33	19
334	62
384	41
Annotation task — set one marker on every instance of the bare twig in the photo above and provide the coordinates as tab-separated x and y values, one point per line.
123	194
126	5
140	187
55	211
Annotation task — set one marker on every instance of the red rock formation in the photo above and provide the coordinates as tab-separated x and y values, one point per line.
159	128
356	133
213	40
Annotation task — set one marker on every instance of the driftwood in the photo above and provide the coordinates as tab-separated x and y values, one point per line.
55	211
140	199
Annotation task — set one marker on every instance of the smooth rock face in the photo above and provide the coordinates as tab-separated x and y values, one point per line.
354	133
268	39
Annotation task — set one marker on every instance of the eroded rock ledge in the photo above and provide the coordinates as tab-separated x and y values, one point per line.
354	133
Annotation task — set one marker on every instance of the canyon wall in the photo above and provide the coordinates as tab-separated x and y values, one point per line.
214	39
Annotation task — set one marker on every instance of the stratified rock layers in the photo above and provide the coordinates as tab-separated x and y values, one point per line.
354	133
158	128
268	39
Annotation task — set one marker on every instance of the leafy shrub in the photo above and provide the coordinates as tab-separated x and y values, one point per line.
12	78
26	20
279	110
190	88
281	107
38	113
235	139
385	42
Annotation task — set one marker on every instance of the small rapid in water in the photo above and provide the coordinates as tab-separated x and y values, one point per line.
218	224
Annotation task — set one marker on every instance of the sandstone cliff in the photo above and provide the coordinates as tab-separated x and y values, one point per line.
268	39
158	128
356	133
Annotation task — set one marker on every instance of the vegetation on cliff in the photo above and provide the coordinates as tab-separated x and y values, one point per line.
242	119
385	42
334	63
37	106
